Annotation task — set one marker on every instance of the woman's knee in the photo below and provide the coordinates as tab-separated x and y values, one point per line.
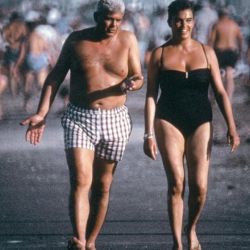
198	190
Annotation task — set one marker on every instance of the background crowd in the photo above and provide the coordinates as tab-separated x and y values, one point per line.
33	34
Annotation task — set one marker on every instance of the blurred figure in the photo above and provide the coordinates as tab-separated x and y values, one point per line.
205	18
227	40
159	32
127	22
3	78
37	61
14	34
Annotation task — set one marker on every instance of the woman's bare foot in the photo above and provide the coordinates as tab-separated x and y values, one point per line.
90	246
193	242
75	244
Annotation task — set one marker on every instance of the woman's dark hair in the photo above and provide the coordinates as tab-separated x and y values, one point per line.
178	5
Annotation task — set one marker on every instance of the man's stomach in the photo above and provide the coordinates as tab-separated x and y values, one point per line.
99	99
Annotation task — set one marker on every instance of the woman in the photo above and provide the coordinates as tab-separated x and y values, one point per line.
183	69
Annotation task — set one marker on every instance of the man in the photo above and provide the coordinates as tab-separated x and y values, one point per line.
227	40
104	64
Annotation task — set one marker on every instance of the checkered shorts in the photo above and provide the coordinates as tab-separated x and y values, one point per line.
105	131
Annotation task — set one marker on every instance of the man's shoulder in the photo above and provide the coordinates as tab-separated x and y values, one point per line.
125	35
81	34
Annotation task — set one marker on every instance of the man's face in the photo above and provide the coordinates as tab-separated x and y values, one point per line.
110	23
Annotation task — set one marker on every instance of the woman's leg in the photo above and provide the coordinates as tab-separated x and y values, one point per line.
198	151
171	145
99	200
80	162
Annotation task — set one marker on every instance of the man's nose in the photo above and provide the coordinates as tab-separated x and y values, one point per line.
113	23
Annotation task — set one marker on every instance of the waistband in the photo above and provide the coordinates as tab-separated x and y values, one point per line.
98	111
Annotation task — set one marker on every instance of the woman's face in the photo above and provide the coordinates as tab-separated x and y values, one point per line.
182	24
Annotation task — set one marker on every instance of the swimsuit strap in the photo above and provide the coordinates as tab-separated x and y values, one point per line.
203	47
162	48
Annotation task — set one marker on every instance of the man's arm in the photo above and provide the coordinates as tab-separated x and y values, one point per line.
240	41
134	64
36	123
54	80
212	36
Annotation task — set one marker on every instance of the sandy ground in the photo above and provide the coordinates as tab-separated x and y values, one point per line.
34	187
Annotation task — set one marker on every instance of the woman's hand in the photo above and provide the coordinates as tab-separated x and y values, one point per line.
233	140
35	130
150	148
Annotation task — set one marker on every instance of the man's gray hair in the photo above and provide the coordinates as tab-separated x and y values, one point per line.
110	6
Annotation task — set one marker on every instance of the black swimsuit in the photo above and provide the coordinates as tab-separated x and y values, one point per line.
184	98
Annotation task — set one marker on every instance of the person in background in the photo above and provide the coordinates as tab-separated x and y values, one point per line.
227	40
14	34
205	18
104	64
181	118
37	61
159	32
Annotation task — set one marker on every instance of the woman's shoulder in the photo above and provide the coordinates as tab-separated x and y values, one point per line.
159	49
210	53
208	49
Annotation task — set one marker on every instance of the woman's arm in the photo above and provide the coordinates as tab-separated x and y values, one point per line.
150	103
223	100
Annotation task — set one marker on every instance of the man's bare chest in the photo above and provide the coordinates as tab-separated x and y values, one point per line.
96	56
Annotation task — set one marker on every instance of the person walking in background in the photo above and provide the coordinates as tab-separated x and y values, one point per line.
104	64
183	69
204	20
227	40
14	34
37	60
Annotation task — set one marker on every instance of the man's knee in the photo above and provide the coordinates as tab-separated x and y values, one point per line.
102	185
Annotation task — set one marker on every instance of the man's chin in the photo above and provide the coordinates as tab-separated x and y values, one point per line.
111	33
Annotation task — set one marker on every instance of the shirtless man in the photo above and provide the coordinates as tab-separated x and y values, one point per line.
14	33
104	64
227	40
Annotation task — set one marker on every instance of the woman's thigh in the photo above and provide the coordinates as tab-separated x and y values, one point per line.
171	144
198	152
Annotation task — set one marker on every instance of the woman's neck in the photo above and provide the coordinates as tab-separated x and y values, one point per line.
183	43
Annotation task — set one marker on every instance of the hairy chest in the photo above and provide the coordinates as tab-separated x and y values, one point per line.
95	57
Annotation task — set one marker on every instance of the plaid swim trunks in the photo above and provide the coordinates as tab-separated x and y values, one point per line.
105	131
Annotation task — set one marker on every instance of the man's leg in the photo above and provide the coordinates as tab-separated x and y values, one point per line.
80	162
3	86
99	200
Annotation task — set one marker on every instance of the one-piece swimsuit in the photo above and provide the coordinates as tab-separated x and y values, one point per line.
184	98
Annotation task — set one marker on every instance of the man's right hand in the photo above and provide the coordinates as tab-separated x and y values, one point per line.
36	126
